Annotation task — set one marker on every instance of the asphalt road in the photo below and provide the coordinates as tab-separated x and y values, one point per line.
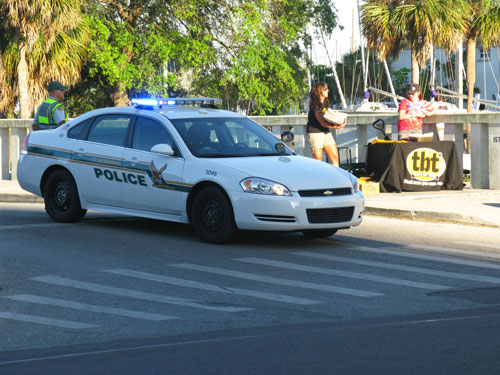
120	295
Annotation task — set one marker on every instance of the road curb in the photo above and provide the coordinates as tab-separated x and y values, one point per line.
429	216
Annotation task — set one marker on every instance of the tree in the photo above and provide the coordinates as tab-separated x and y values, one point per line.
389	26
248	52
400	81
41	40
131	42
483	22
7	65
257	62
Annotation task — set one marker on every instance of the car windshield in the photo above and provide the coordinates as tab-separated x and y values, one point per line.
228	137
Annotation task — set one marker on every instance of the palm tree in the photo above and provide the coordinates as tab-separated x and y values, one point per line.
390	26
483	23
7	65
42	41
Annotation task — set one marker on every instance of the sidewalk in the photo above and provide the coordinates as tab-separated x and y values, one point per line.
11	192
469	206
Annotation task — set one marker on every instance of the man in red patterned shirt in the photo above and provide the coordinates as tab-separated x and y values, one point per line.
412	110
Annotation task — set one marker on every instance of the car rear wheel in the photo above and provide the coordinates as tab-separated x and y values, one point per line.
319	233
60	194
212	216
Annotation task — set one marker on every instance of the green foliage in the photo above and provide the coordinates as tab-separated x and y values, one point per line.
400	81
255	60
134	59
327	13
391	26
87	95
250	53
247	53
261	78
39	41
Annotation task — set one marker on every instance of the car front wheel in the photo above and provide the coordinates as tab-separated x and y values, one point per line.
60	194
212	216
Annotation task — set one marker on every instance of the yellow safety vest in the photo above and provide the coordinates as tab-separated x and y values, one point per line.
46	111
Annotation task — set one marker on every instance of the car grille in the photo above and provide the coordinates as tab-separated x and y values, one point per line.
275	218
325	192
329	215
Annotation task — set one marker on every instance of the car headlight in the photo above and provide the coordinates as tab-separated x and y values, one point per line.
262	186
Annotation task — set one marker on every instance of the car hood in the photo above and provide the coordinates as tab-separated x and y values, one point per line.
295	172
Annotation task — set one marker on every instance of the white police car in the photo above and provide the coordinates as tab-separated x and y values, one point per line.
186	161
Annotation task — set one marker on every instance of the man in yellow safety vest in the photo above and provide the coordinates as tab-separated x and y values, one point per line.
51	113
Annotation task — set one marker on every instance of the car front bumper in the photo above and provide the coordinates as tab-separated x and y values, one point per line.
274	213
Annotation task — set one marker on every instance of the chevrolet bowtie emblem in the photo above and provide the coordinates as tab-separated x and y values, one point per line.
328	192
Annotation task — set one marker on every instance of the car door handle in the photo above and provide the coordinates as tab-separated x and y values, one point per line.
80	152
133	161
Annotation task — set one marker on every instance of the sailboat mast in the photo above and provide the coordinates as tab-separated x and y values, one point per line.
386	68
334	71
364	63
433	68
459	66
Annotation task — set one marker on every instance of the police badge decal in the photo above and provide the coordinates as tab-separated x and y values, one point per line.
155	174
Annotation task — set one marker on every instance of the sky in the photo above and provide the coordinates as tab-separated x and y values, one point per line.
340	42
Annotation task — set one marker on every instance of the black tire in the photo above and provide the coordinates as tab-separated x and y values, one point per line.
212	216
319	233
60	195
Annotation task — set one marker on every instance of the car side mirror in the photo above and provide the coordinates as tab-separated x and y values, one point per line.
163	148
287	136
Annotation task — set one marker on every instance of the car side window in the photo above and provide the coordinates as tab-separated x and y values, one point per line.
110	129
80	130
149	132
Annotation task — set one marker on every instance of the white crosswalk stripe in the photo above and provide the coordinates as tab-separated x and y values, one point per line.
87	307
491	246
302	265
455	251
348	274
213	288
424	271
434	258
277	281
98	288
33	225
45	321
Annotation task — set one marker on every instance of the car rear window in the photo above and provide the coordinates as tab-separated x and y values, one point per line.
80	130
110	129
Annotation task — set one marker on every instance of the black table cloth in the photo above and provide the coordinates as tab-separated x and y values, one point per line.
414	166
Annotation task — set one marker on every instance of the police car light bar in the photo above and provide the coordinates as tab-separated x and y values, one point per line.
176	101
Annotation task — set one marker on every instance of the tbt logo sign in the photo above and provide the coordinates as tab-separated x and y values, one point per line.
425	164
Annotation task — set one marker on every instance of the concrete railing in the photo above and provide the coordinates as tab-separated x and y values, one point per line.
485	139
10	147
